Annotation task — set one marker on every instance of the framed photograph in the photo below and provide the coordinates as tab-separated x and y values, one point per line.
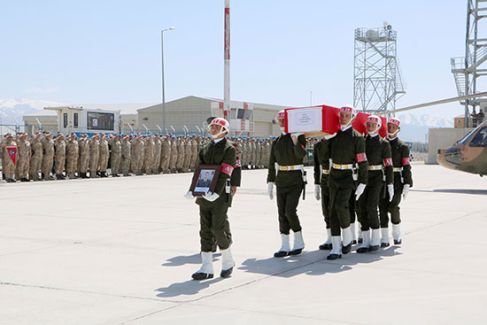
204	179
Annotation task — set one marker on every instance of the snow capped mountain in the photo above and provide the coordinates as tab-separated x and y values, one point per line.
12	110
426	120
415	127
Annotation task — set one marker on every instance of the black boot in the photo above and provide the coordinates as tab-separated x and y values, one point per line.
226	273
325	247
347	249
201	276
333	257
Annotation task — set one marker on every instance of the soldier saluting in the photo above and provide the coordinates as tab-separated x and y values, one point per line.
403	181
213	206
346	149
288	152
378	153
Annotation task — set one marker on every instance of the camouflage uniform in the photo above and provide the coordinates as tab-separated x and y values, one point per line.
104	155
148	155
84	156
115	155
133	156
188	153
24	153
157	155
165	155
139	152
72	155
181	153
194	154
174	155
60	156
7	164
126	155
94	156
36	159
48	156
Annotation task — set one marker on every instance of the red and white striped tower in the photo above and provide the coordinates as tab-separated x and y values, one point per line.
226	79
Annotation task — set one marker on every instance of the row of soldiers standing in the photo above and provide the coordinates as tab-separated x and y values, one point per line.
44	157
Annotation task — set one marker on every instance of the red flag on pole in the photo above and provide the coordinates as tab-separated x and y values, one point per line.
12	153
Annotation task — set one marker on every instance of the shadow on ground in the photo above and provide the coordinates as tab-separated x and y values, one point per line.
310	263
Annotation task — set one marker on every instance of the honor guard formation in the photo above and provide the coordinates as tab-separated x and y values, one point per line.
359	180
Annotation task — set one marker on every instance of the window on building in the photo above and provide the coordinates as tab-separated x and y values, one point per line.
101	121
240	113
75	120
65	120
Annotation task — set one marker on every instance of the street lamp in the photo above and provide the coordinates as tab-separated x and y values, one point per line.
162	76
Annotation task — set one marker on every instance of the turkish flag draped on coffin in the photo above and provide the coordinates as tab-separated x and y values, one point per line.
324	119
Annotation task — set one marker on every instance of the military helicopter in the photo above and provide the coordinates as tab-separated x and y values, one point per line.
468	154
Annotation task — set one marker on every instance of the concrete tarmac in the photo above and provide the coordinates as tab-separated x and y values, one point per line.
122	251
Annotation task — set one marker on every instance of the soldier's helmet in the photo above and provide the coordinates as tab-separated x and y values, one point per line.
394	121
347	108
374	119
221	122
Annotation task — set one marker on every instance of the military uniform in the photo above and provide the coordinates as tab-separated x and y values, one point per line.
156	164
289	186
23	160
213	213
104	153
84	156
346	149
8	166
166	155
126	156
115	156
321	158
378	153
402	178
139	154
148	155
47	157
60	156
94	156
174	155
36	158
181	154
72	154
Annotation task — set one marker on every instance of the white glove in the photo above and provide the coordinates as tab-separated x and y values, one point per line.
318	192
210	196
405	191
270	190
189	195
390	189
360	189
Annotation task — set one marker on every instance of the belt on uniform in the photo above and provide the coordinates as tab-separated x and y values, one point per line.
397	169
375	167
342	167
291	168
326	172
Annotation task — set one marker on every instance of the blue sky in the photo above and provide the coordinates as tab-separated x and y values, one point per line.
109	51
